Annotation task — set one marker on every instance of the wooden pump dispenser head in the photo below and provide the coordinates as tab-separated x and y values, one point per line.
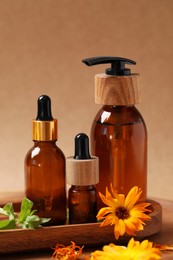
117	86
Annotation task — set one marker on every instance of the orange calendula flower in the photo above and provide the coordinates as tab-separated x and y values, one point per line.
123	212
71	252
134	251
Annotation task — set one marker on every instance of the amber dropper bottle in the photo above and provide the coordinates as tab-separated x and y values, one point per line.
45	167
118	133
82	175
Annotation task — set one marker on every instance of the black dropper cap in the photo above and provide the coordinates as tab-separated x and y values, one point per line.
117	64
44	126
82	147
44	108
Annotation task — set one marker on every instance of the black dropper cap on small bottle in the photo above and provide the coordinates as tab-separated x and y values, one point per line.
44	126
82	147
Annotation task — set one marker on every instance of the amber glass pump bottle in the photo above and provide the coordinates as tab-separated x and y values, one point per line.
118	133
45	167
82	175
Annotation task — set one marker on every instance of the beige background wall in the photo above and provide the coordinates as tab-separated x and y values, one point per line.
42	43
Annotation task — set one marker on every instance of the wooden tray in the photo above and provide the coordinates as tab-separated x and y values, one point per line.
22	240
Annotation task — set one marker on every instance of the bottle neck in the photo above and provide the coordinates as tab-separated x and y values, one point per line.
82	188
44	143
118	109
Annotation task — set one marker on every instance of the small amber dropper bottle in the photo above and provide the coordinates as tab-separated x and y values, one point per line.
45	167
82	175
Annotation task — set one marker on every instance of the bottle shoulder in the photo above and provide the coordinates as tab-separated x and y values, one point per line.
45	149
121	115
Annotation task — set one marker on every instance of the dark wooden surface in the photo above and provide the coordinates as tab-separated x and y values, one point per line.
86	234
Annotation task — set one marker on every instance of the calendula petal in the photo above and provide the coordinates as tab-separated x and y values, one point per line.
122	227
108	194
138	224
109	220
116	233
120	197
143	205
110	202
139	214
119	229
146	244
132	197
130	227
131	243
103	211
120	200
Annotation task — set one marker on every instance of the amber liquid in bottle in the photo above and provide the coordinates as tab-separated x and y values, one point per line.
45	181
82	204
119	139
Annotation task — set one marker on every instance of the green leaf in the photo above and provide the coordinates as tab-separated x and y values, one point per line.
25	210
7	224
44	220
34	222
32	212
8	208
26	218
2	211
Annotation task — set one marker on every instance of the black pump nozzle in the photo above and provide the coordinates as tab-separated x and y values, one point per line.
44	109
117	64
82	147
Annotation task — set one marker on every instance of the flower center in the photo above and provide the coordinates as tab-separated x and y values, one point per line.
122	213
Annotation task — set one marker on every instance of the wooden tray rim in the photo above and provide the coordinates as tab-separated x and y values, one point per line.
21	240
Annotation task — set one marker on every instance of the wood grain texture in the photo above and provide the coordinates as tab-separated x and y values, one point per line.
82	172
117	90
22	240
